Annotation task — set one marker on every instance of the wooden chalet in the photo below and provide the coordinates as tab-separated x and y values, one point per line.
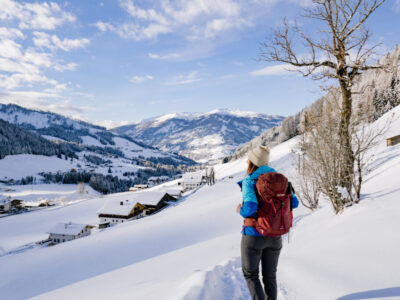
393	140
132	206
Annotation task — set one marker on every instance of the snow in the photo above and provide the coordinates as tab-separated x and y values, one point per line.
91	141
34	193
53	138
67	228
12	167
191	249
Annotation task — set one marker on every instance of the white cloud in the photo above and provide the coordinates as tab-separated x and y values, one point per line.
53	42
102	26
140	79
19	67
304	3
46	101
23	64
11	33
184	79
38	59
26	67
109	124
218	25
57	88
282	69
202	18
66	67
44	15
10	49
69	44
165	56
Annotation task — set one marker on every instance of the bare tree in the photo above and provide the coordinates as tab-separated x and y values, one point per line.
340	50
309	189
320	160
364	138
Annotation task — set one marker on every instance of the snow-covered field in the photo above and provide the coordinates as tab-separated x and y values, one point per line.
47	192
22	165
191	249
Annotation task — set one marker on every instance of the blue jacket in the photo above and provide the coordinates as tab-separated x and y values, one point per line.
250	202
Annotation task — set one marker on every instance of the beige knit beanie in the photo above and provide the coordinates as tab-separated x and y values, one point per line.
259	155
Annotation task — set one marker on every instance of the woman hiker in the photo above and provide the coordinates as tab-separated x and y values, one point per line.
256	248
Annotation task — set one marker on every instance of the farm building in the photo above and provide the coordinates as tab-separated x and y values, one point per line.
132	206
64	232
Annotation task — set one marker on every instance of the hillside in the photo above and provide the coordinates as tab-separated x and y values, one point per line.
203	137
15	140
89	148
191	250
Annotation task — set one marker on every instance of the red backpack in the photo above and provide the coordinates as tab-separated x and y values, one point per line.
274	215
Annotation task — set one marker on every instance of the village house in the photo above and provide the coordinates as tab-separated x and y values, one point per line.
154	180
176	193
132	206
138	187
8	205
193	180
393	140
64	232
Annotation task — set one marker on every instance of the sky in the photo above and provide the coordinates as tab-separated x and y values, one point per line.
117	62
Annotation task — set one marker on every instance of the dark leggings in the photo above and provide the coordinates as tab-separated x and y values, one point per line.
255	249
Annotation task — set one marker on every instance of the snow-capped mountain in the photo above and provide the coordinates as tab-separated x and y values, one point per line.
203	137
59	128
29	137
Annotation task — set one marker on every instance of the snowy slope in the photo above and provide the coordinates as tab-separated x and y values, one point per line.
191	250
34	193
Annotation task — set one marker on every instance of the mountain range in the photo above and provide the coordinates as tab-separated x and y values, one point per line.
203	137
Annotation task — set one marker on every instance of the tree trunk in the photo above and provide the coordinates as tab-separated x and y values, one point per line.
347	173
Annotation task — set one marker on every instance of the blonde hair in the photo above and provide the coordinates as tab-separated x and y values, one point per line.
250	167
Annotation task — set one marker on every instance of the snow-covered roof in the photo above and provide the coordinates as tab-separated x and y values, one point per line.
173	192
67	228
4	201
193	176
141	185
113	205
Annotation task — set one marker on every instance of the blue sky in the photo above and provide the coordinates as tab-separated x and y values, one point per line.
114	62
